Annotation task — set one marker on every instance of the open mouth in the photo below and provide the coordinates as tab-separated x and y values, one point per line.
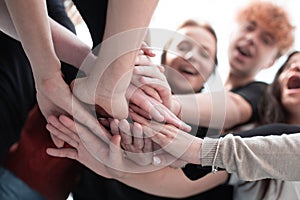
189	70
244	51
293	82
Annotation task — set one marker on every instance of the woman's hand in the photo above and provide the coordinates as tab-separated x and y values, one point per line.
90	150
176	142
136	147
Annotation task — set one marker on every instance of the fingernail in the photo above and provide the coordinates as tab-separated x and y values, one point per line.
156	160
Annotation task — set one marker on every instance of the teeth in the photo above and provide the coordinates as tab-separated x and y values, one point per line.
244	51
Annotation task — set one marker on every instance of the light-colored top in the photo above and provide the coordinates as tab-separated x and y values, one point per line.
255	158
266	189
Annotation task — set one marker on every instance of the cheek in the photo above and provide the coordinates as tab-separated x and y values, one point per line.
206	70
197	82
171	58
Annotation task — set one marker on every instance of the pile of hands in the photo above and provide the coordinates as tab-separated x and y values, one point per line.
153	136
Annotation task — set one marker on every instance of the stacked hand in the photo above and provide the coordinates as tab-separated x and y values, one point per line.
150	103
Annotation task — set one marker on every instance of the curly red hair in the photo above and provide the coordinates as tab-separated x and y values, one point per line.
271	18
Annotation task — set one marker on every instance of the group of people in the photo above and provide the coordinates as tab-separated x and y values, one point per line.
141	129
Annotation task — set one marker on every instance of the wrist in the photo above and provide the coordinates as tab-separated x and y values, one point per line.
196	151
48	71
176	106
88	63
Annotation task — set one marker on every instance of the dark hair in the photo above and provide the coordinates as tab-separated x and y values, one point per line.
271	109
192	23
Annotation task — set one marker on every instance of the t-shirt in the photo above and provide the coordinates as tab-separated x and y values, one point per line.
17	93
252	93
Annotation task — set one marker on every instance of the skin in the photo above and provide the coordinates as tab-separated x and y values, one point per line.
251	39
138	149
289	81
190	67
170	184
251	49
31	25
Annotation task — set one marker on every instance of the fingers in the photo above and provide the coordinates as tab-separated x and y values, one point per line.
125	134
63	153
146	50
73	140
59	143
138	136
58	130
159	138
153	72
114	127
150	91
143	60
148	145
139	98
60	126
139	116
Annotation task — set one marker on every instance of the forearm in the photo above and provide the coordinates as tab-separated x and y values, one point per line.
62	38
169	182
214	109
126	26
32	26
68	46
255	158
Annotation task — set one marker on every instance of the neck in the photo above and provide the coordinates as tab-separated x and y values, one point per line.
294	119
234	81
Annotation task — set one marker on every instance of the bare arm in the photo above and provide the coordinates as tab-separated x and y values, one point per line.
169	182
62	39
126	26
215	109
40	54
34	31
166	181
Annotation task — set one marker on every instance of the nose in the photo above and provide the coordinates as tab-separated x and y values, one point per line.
250	37
192	55
295	66
189	56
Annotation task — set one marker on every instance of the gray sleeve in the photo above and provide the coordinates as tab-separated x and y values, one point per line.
257	157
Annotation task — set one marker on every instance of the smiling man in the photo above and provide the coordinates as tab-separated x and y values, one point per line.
262	35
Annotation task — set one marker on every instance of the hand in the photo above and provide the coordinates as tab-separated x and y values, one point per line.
153	77
137	148
90	150
171	139
54	98
107	83
113	103
79	151
150	78
146	107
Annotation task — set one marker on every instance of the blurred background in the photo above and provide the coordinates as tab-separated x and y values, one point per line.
219	13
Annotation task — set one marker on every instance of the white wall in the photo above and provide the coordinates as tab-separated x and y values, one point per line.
220	13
